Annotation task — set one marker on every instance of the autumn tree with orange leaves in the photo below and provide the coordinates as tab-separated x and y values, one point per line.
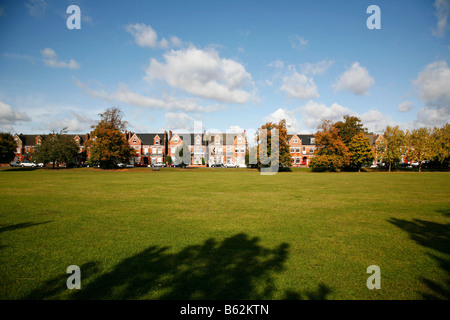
108	144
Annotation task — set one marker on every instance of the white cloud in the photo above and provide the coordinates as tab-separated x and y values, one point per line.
290	116
442	14
144	35
356	79
375	121
9	117
179	121
434	84
299	86
405	106
77	122
203	73
316	68
51	60
314	113
298	42
125	95
432	116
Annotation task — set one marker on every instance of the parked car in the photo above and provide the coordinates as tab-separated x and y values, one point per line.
140	165
217	165
159	165
123	165
40	165
14	164
28	164
228	165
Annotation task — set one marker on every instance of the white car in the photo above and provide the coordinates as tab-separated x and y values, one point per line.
28	164
229	165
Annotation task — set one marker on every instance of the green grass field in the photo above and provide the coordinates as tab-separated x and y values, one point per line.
223	234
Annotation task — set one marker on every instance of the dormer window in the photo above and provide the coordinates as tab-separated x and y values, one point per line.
156	141
134	140
175	140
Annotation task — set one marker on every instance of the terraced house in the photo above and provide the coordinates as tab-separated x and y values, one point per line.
151	148
302	148
206	149
27	143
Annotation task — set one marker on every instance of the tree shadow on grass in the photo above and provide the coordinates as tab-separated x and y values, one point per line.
434	236
23	225
235	268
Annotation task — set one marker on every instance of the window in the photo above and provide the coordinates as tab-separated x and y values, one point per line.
297	150
294	141
292	150
157	141
154	150
146	150
134	140
175	140
217	140
198	141
159	150
304	150
313	140
297	160
311	150
239	140
243	150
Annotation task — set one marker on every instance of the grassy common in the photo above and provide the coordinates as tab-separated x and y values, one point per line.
223	234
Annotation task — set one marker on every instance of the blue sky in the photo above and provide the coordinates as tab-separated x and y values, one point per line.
231	64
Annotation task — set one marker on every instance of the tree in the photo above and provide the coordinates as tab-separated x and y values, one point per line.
282	155
108	145
7	147
419	144
350	127
389	147
441	143
332	153
56	147
361	151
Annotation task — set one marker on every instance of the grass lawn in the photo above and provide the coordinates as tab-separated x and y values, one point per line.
223	234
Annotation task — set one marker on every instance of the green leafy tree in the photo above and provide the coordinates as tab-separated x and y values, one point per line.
390	146
441	143
420	146
361	151
7	147
332	154
108	144
56	148
350	127
283	155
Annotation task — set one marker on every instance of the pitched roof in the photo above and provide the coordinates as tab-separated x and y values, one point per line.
372	138
149	138
305	138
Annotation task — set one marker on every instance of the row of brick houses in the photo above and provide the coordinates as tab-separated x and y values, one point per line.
205	148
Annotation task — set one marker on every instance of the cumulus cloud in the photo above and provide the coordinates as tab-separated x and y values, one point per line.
9	116
442	14
145	36
314	113
432	116
299	86
289	115
179	121
203	73
405	106
356	79
434	84
51	59
125	95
